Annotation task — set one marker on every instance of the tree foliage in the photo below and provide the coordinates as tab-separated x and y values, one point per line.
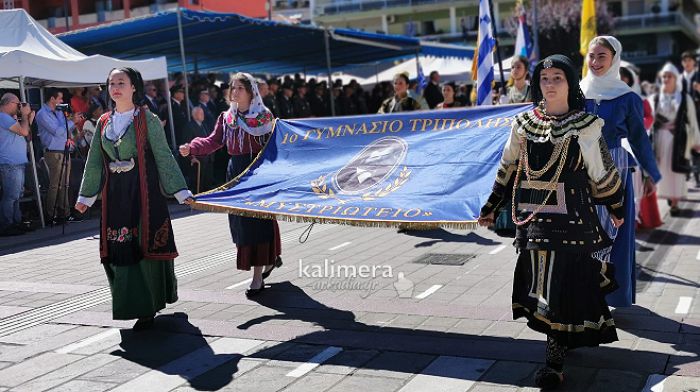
559	25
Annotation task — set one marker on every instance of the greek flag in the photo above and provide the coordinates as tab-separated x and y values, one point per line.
484	78
422	81
523	44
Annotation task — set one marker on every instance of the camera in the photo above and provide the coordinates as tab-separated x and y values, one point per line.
64	107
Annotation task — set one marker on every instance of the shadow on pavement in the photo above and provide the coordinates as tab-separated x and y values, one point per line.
665	237
371	348
645	274
442	235
146	348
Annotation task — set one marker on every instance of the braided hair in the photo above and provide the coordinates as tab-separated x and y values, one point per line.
576	98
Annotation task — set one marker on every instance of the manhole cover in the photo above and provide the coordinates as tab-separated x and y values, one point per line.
444	259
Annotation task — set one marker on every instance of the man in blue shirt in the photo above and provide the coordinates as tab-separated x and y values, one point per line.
13	158
53	136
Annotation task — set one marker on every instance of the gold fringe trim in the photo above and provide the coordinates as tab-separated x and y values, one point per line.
458	225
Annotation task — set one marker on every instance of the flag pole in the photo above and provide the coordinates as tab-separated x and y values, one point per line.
498	47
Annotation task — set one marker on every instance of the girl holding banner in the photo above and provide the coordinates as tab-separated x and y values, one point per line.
555	168
404	100
243	130
608	97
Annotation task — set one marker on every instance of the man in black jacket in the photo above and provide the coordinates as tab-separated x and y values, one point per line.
432	93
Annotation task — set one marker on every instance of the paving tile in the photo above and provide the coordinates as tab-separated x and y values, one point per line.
314	382
83	386
64	374
356	383
617	380
395	365
27	370
35	334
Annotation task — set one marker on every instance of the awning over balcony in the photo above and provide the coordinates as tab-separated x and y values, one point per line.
231	42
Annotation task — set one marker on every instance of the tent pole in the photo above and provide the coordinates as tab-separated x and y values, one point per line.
326	36
23	98
171	124
184	64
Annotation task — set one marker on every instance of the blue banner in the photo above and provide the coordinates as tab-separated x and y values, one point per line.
414	169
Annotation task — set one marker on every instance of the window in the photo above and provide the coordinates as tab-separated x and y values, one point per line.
615	8
635	7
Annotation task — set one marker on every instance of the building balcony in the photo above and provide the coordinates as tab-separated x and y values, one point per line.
339	7
657	23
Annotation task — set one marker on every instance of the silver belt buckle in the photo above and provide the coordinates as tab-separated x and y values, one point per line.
121	166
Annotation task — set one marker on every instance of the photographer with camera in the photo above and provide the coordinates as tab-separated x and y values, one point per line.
13	158
52	123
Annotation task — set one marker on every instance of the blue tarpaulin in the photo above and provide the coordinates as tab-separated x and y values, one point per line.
230	42
418	169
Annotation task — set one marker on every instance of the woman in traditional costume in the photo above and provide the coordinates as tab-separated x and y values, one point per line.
243	130
555	168
130	164
675	134
614	101
404	99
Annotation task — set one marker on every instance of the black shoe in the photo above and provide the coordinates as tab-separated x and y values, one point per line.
25	226
11	231
277	264
143	324
75	218
254	292
675	211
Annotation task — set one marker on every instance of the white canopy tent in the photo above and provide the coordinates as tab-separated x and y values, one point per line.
450	69
30	56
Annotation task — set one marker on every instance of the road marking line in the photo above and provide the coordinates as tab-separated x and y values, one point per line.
655	383
88	341
451	374
429	291
683	305
698	256
189	366
318	359
233	286
341	245
500	248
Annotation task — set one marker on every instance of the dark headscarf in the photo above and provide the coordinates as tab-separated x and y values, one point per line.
576	98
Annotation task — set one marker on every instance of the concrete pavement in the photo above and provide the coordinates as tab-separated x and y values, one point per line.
351	309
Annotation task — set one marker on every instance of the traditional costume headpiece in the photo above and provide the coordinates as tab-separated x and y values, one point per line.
576	99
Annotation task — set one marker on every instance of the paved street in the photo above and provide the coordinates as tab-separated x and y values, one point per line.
397	325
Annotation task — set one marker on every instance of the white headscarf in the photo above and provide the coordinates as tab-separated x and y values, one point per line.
670	102
257	122
609	85
257	107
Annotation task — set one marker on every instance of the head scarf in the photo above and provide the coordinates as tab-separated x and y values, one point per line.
257	121
609	85
670	101
576	99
